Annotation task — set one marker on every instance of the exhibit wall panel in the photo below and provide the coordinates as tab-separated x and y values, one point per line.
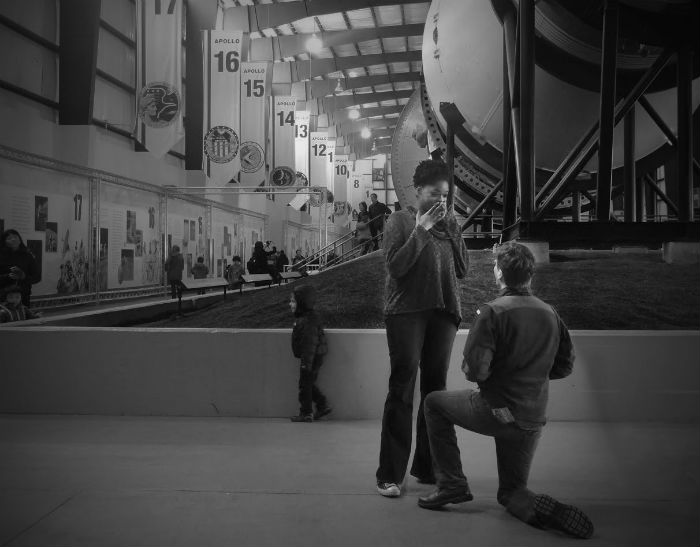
51	211
130	241
226	238
186	229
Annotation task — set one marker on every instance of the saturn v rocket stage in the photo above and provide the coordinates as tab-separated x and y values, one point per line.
552	104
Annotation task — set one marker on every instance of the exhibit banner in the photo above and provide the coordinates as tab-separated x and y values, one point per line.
330	156
255	91
222	121
318	159
302	125
283	144
340	187
159	99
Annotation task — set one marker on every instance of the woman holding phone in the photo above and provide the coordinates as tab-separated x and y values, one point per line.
425	257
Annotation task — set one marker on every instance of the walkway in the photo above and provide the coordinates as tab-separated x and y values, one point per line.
105	481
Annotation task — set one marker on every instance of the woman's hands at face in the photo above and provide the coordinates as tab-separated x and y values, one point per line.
432	216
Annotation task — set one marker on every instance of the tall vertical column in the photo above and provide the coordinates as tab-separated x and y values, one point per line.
607	109
526	21
77	60
450	161
685	135
508	169
576	206
630	199
94	237
640	205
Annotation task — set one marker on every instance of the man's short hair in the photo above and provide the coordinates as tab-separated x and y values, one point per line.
200	260
517	263
375	195
429	172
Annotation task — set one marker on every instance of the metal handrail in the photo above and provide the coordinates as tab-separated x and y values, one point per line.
334	244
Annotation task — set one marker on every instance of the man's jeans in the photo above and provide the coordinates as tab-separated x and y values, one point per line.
515	447
415	339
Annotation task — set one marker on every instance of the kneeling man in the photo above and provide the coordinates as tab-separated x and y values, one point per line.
517	344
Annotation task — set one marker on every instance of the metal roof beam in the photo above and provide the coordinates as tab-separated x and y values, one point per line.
257	18
276	48
343	101
323	88
297	71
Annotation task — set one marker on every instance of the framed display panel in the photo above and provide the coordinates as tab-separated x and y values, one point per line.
186	229
51	211
226	237
130	252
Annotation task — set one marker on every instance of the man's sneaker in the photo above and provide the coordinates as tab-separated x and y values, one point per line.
321	412
388	489
443	496
567	518
303	418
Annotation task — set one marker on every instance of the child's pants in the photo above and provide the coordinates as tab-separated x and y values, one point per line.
308	391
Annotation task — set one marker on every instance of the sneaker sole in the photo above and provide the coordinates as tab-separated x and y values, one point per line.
461	498
567	518
389	493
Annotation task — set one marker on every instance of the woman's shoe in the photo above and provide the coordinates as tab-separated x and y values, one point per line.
308	418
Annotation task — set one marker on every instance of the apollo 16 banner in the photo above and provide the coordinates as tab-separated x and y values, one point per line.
255	92
159	98
222	123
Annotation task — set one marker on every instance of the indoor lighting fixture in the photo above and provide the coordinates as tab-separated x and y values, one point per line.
314	44
338	88
354	113
365	133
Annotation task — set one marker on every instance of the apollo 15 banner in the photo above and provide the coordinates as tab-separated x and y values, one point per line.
222	123
255	92
159	74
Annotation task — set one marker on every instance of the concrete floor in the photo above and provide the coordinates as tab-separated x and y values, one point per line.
105	481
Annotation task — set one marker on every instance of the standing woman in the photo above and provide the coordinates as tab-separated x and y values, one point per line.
425	255
17	265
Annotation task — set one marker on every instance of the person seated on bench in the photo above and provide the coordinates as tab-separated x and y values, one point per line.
516	345
234	272
200	271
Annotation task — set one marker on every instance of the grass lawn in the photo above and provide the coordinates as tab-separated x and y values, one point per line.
591	290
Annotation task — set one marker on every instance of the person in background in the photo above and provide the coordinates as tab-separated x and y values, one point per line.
17	265
258	262
517	344
297	261
12	308
309	345
282	261
200	271
425	258
362	228
234	272
272	263
377	213
174	267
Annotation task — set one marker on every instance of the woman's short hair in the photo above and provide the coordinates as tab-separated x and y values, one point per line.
362	203
517	264
429	172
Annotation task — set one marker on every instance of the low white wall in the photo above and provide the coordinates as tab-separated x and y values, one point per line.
618	376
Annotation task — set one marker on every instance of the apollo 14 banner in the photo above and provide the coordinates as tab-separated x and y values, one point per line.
222	123
159	74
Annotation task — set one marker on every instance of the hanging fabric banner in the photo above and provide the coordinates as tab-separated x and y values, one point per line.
222	82
340	187
255	92
302	123
355	189
318	159
159	98
330	154
283	172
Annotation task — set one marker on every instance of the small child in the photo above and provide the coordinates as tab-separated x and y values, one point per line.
308	344
12	309
235	270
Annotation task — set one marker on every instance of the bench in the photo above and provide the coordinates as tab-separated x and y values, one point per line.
288	275
198	285
255	278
